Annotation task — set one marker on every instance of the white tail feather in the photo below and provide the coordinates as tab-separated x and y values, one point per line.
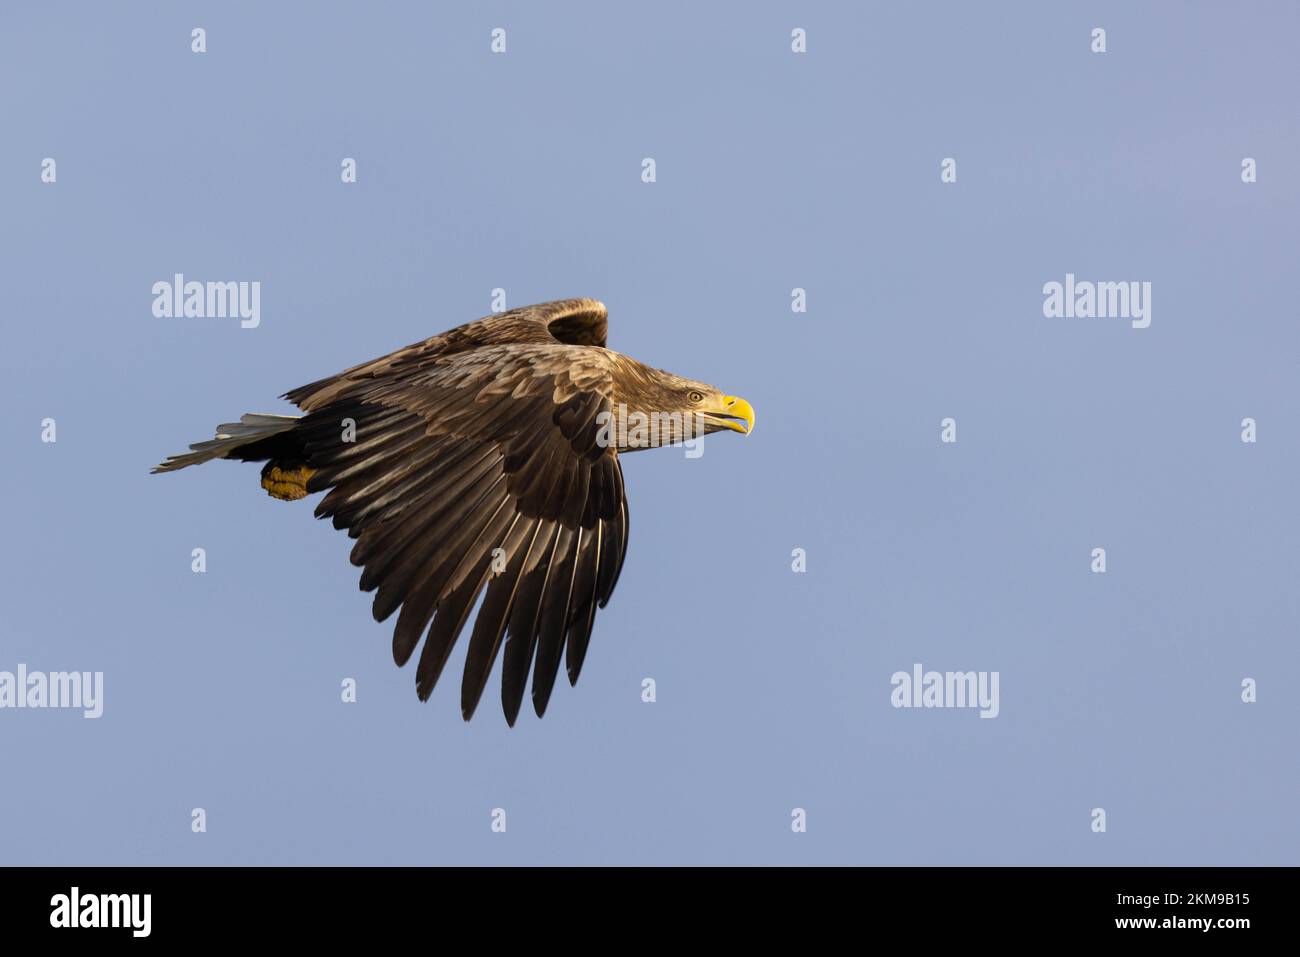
250	428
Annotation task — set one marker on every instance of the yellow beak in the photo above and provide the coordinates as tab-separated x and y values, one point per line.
734	408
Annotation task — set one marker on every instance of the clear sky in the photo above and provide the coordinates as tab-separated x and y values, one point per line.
774	170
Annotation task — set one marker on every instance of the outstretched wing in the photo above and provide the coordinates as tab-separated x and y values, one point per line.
575	322
477	471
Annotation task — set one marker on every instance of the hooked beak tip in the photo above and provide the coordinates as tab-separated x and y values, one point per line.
738	409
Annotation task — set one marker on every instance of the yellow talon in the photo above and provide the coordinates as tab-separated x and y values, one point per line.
288	485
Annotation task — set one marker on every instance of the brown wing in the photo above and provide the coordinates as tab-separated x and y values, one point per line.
479	472
576	322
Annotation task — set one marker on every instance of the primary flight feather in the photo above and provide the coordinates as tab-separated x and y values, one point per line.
484	460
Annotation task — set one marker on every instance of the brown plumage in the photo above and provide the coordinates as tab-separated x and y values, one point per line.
484	460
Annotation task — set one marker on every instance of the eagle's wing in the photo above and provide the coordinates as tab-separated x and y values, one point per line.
575	322
473	469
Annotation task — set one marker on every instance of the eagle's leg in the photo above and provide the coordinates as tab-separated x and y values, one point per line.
286	481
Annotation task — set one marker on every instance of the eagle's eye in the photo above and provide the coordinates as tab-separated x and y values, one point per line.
695	395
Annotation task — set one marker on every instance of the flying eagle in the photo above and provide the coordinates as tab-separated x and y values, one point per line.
486	457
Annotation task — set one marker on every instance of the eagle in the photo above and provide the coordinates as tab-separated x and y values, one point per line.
483	461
